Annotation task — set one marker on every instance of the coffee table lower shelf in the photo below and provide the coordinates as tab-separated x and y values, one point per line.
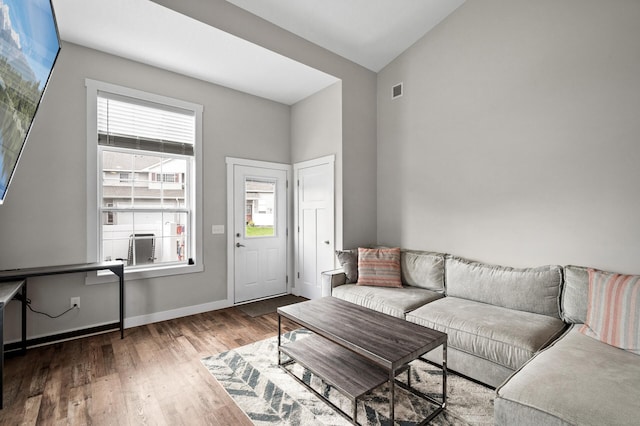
342	369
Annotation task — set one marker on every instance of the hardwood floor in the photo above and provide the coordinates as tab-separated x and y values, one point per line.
151	377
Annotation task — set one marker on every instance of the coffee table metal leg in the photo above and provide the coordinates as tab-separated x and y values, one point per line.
279	338
355	412
392	398
444	374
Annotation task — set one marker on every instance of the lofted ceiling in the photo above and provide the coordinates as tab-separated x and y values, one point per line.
371	33
368	32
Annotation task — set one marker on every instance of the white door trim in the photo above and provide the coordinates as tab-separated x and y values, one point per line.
330	160
231	162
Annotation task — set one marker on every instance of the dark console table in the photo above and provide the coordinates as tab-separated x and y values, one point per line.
23	274
14	280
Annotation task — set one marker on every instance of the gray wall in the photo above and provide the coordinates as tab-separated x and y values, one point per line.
516	140
43	220
358	104
316	125
316	131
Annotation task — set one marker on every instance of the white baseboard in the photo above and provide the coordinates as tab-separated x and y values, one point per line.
70	330
138	321
175	313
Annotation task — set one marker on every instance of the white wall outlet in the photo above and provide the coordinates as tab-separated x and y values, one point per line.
74	302
217	229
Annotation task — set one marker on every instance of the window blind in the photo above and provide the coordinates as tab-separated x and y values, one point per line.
136	124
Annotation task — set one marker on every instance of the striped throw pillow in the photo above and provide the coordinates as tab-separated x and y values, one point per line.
379	267
613	310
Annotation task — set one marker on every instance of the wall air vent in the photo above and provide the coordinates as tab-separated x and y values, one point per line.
396	91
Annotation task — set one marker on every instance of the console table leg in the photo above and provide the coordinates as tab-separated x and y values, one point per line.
121	284
2	354
24	318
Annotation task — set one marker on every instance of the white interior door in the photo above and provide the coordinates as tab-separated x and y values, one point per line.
315	219
259	232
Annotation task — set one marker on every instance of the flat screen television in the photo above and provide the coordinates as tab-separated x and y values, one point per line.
29	47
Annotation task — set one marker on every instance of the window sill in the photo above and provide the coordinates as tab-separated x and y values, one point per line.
103	277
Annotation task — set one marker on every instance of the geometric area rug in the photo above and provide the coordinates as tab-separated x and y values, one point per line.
269	396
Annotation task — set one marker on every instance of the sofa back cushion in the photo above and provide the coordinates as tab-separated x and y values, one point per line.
533	290
423	269
349	263
575	295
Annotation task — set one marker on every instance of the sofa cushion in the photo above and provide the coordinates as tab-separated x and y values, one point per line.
505	336
577	381
613	312
534	290
349	262
379	267
388	300
423	269
574	298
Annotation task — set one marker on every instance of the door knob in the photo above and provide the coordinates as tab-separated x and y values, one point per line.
239	245
326	242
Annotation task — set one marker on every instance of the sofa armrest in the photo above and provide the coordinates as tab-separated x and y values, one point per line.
333	278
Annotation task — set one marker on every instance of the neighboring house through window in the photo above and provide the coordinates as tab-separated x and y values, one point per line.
146	152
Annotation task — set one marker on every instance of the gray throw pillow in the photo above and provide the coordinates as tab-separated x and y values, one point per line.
349	262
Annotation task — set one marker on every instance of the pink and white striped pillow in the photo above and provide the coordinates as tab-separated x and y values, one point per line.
613	310
379	267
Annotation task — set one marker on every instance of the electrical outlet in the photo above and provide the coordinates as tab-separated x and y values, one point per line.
74	302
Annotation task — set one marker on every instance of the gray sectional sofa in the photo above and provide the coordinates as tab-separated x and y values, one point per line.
514	329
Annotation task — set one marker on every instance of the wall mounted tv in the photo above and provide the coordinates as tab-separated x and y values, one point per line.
29	47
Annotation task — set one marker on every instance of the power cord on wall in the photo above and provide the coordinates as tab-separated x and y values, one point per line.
19	297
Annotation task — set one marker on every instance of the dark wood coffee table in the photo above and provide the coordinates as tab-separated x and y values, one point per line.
355	350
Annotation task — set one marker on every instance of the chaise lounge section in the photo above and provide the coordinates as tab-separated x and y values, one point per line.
578	380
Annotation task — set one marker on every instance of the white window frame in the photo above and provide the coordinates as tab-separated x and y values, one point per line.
93	185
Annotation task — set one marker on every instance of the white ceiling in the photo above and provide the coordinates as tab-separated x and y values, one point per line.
146	32
369	32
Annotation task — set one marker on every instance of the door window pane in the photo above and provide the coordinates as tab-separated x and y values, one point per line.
260	197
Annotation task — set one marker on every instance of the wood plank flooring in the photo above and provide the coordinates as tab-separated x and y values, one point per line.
151	377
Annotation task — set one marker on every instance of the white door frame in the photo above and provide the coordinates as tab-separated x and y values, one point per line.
231	162
330	160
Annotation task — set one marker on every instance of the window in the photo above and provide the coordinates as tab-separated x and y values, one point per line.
147	206
110	216
166	177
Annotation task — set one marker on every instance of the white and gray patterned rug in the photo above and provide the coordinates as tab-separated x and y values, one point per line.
269	396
